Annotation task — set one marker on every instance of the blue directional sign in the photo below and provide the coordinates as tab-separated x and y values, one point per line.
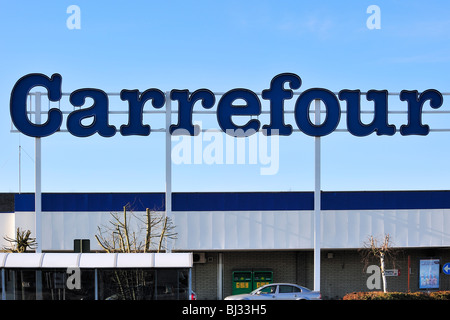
446	268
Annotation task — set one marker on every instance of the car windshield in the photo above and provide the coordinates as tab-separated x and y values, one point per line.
265	290
271	289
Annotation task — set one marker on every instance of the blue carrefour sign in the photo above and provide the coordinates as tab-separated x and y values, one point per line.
276	94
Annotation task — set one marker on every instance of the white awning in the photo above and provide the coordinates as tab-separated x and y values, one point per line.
23	260
96	260
3	256
135	260
59	260
180	260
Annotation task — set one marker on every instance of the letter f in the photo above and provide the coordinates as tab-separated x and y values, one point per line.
276	95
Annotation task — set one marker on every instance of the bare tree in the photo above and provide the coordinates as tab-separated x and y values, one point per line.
130	232
379	249
21	242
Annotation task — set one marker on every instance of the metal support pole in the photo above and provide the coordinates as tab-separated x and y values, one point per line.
190	283
37	180
20	166
317	217
3	284
168	203
96	284
220	276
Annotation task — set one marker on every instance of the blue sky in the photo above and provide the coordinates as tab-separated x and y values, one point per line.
222	45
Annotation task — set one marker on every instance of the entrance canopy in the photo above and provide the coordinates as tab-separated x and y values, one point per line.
96	260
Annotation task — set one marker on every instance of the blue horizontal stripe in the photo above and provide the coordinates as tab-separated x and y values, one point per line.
235	201
385	200
91	201
23	202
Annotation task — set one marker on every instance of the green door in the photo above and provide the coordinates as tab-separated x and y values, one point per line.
261	278
242	282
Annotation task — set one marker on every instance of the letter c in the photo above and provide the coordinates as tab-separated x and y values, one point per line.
18	104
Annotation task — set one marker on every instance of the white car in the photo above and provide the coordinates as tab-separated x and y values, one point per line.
278	291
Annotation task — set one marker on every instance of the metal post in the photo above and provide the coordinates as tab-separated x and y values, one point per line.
96	284
220	276
20	166
38	181
190	283
168	203
3	284
317	218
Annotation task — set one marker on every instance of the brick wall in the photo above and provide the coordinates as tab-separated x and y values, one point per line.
204	278
341	273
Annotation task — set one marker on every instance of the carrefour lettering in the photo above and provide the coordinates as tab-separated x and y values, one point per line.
276	94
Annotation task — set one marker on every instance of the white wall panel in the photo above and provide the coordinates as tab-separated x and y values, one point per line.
24	221
7	228
243	230
288	230
413	228
445	228
61	228
255	230
424	229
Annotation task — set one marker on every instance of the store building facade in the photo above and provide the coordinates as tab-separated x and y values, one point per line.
309	238
264	231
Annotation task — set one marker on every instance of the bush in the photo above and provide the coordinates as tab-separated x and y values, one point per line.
440	295
378	295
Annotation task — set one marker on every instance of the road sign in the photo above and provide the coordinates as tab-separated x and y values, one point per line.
446	268
393	272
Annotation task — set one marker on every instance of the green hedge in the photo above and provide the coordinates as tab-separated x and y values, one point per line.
378	295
